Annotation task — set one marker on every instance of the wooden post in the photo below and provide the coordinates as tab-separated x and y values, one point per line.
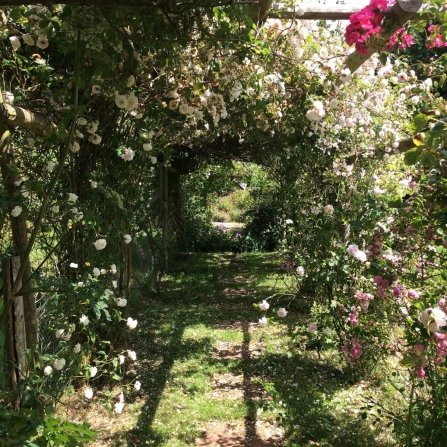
176	212
165	216
19	231
15	331
259	11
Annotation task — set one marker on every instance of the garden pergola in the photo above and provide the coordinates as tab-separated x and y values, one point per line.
14	116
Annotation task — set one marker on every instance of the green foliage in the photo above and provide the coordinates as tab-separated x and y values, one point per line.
179	91
20	430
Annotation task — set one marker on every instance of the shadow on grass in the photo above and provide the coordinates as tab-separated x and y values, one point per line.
161	346
302	385
300	391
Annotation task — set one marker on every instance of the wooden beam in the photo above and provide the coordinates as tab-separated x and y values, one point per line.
329	12
321	12
17	116
172	7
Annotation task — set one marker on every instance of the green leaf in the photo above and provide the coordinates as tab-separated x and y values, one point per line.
417	223
44	23
420	121
396	203
383	58
2	340
418	305
214	65
429	159
412	156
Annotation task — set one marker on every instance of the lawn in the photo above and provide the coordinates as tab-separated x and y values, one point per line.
211	375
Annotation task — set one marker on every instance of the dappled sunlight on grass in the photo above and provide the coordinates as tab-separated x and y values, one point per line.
208	367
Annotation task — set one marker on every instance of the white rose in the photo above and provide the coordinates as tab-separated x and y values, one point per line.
121	302
15	42
264	305
17	210
130	81
88	393
59	364
60	333
433	319
119	407
121	101
131	323
281	312
262	322
50	166
100	244
72	197
77	348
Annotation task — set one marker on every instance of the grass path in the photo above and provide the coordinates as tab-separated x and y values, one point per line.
204	364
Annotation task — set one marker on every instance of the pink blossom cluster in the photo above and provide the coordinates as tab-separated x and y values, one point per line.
435	37
438	337
413	294
354	250
365	23
352	354
382	285
364	299
376	248
353	317
441	344
397	291
419	368
400	37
